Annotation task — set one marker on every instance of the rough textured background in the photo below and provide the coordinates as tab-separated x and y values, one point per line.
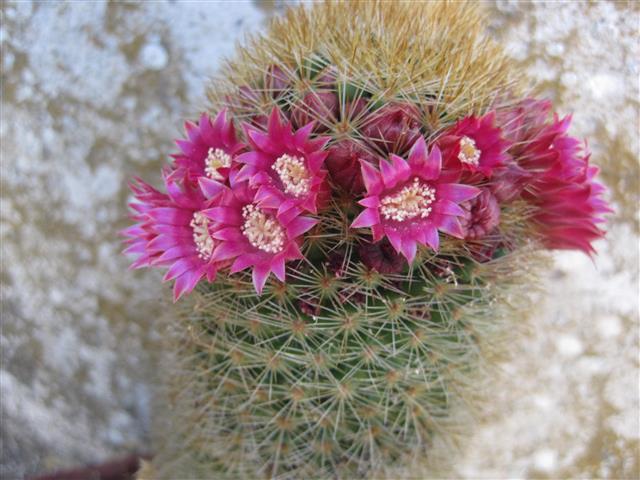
93	92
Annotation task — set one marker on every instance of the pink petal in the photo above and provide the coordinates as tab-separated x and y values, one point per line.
226	215
260	274
210	188
367	218
395	238
287	212
409	248
418	152
389	174
227	250
457	192
175	252
433	165
171	216
277	267
242	262
371	178
299	226
431	238
180	267
370	202
302	135
227	234
450	225
185	283
316	159
401	167
447	207
253	158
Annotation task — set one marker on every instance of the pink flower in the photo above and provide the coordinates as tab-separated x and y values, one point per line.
473	145
251	235
569	201
286	167
172	231
409	201
210	148
482	215
142	232
508	181
343	163
560	182
523	121
393	128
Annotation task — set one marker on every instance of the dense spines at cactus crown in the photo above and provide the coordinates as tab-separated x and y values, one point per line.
361	362
434	54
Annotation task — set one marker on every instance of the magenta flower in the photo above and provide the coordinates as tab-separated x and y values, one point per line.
508	181
559	180
569	200
287	167
409	201
210	148
474	144
523	121
143	231
482	215
172	231
251	235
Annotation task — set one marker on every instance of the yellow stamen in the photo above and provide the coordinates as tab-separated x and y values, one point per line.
294	175
263	231
412	201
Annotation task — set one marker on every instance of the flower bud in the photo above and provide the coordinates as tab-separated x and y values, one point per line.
382	257
483	215
394	127
343	163
315	106
275	81
508	182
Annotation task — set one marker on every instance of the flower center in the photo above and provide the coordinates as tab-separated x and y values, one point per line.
201	237
263	231
216	159
412	201
469	153
293	174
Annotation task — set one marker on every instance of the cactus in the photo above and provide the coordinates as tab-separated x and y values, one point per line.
371	356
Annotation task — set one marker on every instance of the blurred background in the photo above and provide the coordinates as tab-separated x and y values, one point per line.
94	92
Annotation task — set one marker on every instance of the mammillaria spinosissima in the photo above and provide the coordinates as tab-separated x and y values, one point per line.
350	221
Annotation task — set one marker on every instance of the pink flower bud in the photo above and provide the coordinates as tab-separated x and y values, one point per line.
343	164
275	81
483	215
508	182
319	106
355	110
381	256
394	127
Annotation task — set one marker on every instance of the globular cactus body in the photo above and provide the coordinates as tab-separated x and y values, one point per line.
369	356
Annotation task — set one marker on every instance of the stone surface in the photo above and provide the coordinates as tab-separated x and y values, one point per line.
94	92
